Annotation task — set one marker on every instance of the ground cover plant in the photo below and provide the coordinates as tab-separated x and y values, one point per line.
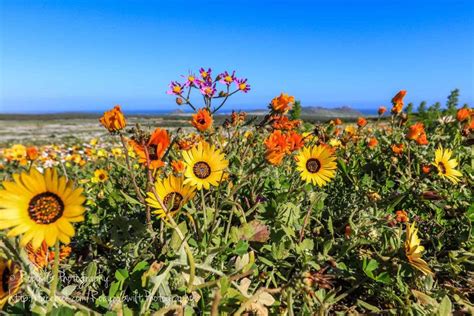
261	216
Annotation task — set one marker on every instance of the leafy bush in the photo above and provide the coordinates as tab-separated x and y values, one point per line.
267	215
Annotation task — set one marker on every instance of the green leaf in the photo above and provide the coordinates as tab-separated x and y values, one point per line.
307	244
445	307
342	165
330	227
224	284
368	306
241	248
121	275
327	246
266	261
142	265
176	241
383	277
67	291
129	199
114	287
369	267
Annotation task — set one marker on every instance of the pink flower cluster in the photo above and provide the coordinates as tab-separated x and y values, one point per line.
206	84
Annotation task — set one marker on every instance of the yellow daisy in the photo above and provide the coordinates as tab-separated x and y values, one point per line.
41	207
100	175
172	192
446	165
413	250
11	278
204	166
316	164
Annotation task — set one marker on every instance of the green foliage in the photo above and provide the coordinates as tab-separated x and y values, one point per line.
263	238
452	102
295	112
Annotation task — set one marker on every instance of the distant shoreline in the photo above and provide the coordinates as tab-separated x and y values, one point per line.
183	113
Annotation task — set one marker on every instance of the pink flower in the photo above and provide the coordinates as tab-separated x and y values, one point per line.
175	88
208	89
227	78
206	74
242	85
190	80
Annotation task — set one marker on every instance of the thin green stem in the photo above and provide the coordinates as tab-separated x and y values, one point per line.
203	206
55	281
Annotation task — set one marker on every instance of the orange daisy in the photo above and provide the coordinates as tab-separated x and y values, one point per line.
202	120
282	103
397	101
113	120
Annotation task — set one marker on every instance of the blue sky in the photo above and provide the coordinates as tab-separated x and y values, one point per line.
89	55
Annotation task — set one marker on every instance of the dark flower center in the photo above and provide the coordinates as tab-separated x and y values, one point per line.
153	152
313	165
442	167
173	201
5	278
201	170
45	208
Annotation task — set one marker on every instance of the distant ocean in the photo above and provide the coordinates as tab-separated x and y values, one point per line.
365	111
161	111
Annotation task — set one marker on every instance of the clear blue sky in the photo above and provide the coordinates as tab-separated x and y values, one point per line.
69	55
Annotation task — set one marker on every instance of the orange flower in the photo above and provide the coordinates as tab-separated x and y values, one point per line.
43	256
372	143
417	133
113	120
156	147
32	153
275	157
178	166
295	141
282	122
426	169
282	103
330	148
277	147
159	141
463	114
238	118
422	140
397	101
188	143
338	121
397	149
361	122
382	110
184	144
401	216
202	120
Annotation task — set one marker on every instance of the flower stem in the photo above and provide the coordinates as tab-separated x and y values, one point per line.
203	205
187	249
54	283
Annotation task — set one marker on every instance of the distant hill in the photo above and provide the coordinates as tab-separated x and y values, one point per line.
320	112
341	112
